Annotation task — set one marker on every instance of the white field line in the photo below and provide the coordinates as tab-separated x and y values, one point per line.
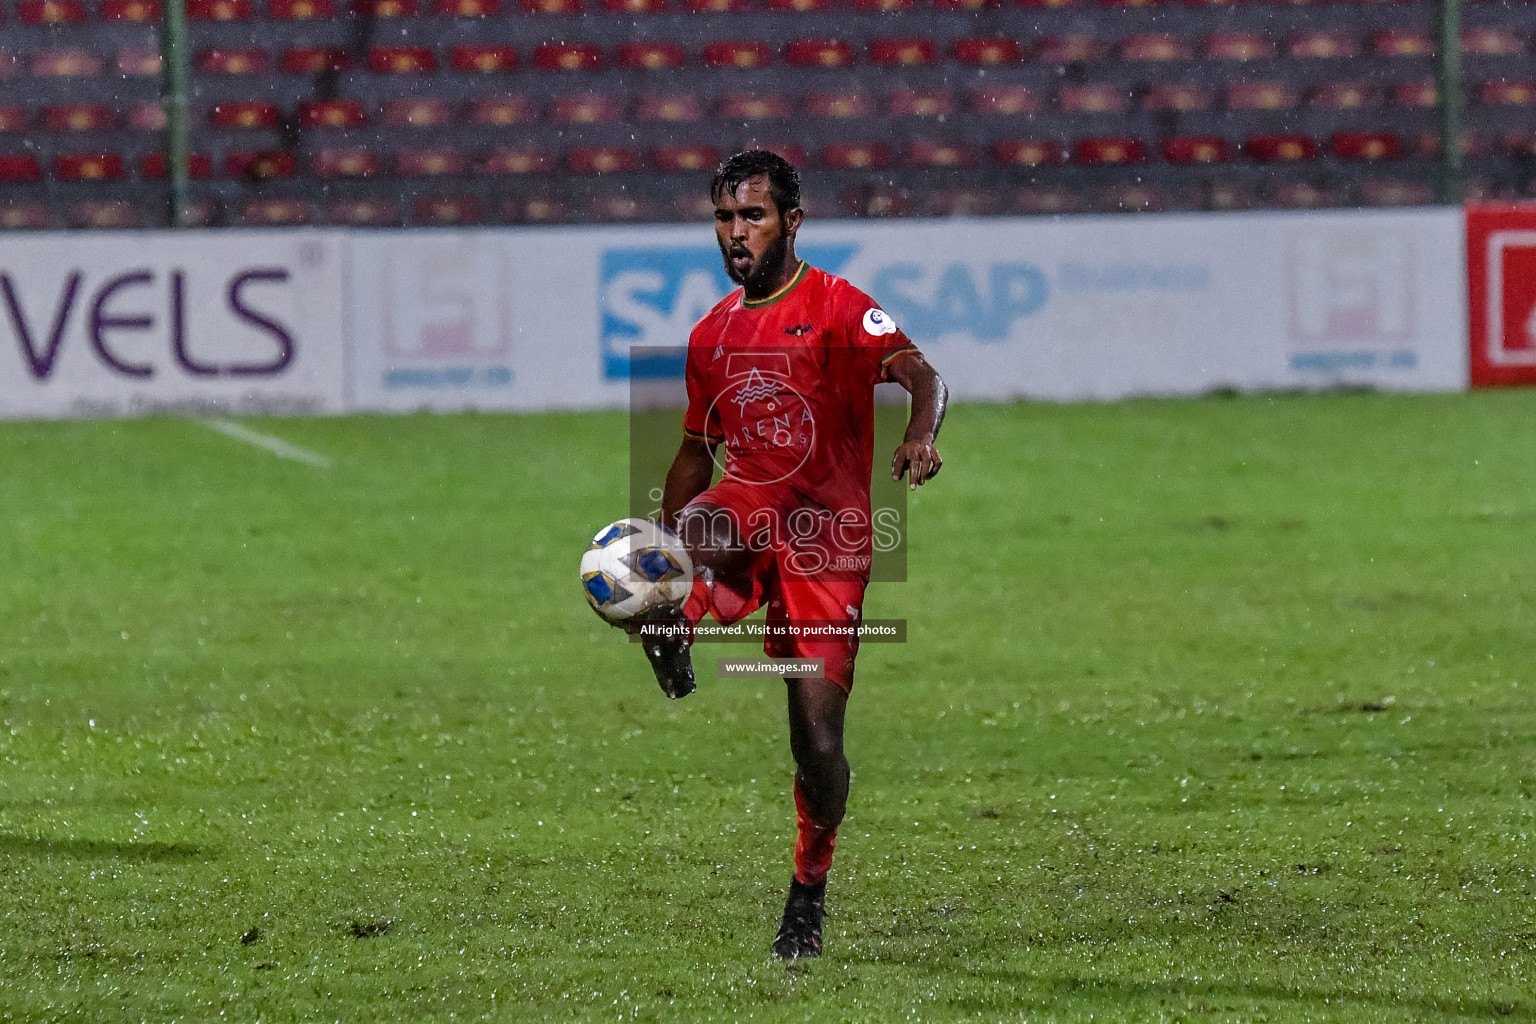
276	445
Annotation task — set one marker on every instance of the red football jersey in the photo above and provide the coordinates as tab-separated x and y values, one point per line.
786	385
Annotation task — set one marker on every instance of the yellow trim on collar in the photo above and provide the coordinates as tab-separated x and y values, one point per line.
776	296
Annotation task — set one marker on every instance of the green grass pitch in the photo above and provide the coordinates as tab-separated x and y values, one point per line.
1213	710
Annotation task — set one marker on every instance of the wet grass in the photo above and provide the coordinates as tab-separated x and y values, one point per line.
1211	711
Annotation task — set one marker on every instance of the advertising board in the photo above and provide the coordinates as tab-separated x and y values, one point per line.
1501	290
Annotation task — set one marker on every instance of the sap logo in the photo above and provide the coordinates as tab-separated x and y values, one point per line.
930	302
40	319
650	299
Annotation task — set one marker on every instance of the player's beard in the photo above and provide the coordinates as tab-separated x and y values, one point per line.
761	270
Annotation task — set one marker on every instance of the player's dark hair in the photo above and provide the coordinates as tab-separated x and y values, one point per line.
783	179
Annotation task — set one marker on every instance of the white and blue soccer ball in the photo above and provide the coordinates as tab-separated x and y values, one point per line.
632	566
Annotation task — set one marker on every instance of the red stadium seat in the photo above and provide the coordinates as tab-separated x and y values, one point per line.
301	10
975	4
50	12
152	166
138	64
260	165
146	117
415	113
13	119
634	6
1364	145
621	207
72	118
429	163
901	52
1160	47
1260	96
89	167
231	62
20	167
962	202
315	60
1048	199
1109	150
531	210
927	103
1238	46
1003	100
1093	99
501	110
753	107
1209	3
363	213
505	160
130	10
931	153
1226	195
24	216
568	57
818	53
679	107
104	215
1027	152
983	52
844	104
800	6
857	156
585	108
467	8
482	60
1342	96
1279	147
1414	94
684	159
602	160
1491	42
253	115
1196	149
876	201
348	163
651	56
65	64
276	213
552	6
331	114
1395	193
1321	45
401	60
218	10
1505	94
1133	198
882	6
1069	49
384	8
1176	97
718	6
1395	43
738	54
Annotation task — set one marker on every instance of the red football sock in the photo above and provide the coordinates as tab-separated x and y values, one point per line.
813	845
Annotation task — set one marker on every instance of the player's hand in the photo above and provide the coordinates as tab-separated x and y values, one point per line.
919	460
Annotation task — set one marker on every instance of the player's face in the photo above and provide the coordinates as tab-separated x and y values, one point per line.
754	238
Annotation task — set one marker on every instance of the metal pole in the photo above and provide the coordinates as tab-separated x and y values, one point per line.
173	59
1448	188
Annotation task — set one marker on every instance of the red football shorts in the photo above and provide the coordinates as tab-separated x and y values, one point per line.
775	579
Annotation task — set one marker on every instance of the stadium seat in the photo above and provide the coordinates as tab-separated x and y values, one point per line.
1364	145
1108	150
856	156
24	216
634	6
260	213
363	213
501	160
738	54
843	104
691	204
1278	147
20	167
585	108
681	159
977	5
1027	152
962	202
1130	197
1374	192
433	162
50	12
927	103
753	107
104	215
315	60
1092	99
601	160
415	113
718	6
143	11
467	8
13	119
552	6
681	107
1241	46
89	167
622	207
901	52
231	62
73	118
793	152
1048	199
1196	149
246	115
482	60
1260	96
1225	195
152	166
531	210
985	52
501	110
1304	195
568	57
929	153
1505	93
1342	96
65	64
301	10
1006	100
799	6
651	56
347	163
818	53
138	64
260	165
882	6
218	10
384	8
330	114
1321	45
876	201
1397	43
1160	47
1175	97
401	60
146	117
1077	49
1491	42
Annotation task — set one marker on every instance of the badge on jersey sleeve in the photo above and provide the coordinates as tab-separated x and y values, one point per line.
878	322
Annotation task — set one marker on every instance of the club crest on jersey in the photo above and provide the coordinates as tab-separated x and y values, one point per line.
800	330
877	322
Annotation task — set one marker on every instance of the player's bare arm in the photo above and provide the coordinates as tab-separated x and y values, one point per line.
917	457
692	468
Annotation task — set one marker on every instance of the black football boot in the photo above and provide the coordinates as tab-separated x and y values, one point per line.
670	659
800	931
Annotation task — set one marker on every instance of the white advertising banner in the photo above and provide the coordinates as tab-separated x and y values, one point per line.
124	324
